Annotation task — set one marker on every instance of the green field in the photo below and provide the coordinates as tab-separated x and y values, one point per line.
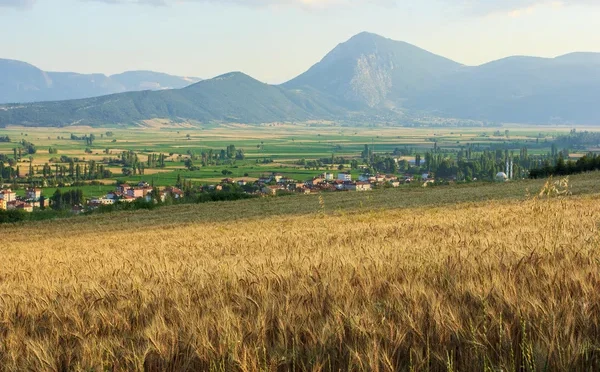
283	145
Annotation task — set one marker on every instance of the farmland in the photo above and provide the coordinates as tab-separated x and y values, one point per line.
463	277
267	148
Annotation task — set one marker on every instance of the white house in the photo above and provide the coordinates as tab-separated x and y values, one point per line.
34	194
344	177
8	195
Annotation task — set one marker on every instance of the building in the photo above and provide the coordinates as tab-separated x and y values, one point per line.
8	195
102	201
174	192
139	192
315	181
363	186
344	177
123	188
20	205
328	176
277	177
242	182
2	205
33	194
135	192
270	190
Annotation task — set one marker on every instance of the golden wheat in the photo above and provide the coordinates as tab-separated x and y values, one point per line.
485	286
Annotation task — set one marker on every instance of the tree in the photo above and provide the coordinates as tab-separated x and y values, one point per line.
57	200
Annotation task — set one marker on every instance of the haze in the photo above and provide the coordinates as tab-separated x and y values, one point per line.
276	40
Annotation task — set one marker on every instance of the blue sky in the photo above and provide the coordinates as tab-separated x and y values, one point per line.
275	40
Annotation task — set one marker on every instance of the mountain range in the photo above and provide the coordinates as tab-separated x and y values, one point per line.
22	82
367	78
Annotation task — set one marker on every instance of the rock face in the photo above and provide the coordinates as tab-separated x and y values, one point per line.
372	71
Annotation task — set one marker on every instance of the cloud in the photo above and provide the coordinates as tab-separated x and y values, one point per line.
255	3
17	3
516	8
513	8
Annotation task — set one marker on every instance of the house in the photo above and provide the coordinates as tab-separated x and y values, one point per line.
379	178
270	190
123	188
33	194
114	195
286	180
135	192
102	201
2	205
143	184
327	176
127	199
8	195
19	205
242	182
175	192
344	177
276	177
395	183
229	181
357	186
363	186
315	181
339	185
303	190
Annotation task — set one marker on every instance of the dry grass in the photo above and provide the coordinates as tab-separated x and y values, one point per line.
487	287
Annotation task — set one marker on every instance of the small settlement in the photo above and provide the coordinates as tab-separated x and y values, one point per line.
33	199
269	185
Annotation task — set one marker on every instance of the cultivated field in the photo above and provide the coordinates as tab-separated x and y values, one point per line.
509	284
283	144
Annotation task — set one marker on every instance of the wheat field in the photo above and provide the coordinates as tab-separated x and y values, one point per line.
491	286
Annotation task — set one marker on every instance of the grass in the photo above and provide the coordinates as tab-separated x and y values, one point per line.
450	278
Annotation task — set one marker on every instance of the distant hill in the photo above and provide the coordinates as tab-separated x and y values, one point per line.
233	97
367	78
22	82
521	90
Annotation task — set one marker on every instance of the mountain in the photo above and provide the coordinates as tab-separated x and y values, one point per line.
565	89
233	97
367	78
22	82
372	71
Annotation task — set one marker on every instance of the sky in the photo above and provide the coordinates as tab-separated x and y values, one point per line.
275	40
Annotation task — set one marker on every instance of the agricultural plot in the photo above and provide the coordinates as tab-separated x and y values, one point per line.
449	278
290	150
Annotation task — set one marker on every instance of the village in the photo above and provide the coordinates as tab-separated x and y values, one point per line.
268	185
